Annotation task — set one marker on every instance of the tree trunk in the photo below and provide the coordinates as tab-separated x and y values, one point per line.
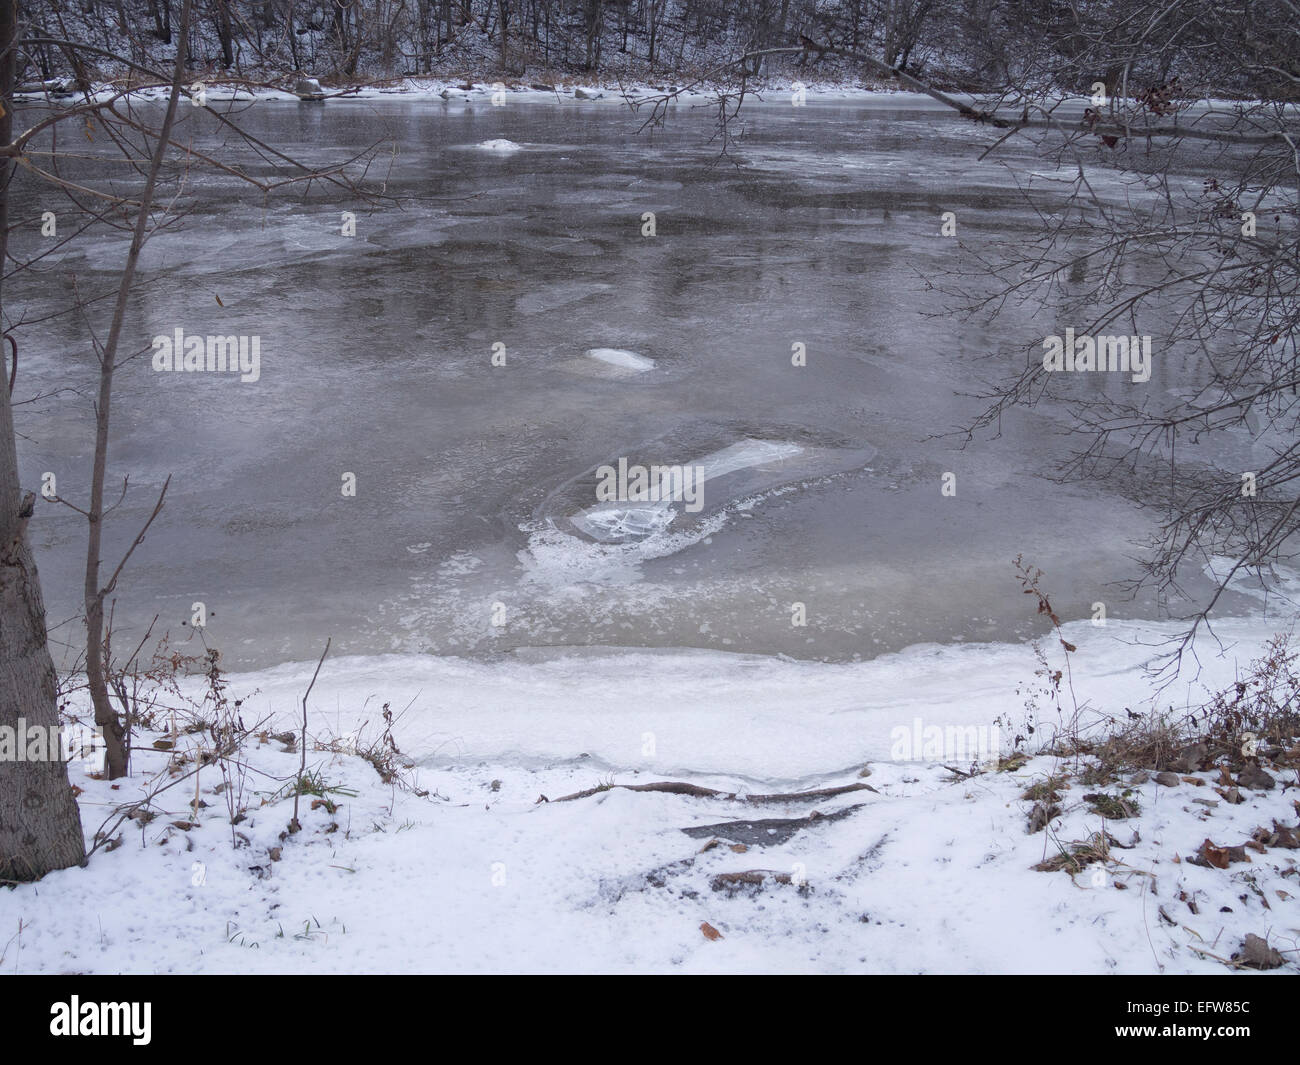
504	7
40	826
221	20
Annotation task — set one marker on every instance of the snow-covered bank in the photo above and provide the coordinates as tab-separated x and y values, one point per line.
641	94
500	93
923	873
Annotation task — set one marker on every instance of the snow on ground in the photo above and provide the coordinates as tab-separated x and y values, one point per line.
924	873
447	93
620	93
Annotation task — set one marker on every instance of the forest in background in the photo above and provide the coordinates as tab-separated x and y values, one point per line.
1249	50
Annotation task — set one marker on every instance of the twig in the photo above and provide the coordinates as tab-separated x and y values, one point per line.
295	825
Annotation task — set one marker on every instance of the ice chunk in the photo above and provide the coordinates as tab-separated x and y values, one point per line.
500	145
745	453
615	524
623	360
619	522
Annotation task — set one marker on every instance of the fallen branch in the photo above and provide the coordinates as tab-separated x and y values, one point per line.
672	787
678	787
811	796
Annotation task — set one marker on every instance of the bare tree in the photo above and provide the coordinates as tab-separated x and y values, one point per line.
146	149
1201	255
1212	272
40	828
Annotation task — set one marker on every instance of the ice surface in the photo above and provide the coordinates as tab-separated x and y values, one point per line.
395	327
553	295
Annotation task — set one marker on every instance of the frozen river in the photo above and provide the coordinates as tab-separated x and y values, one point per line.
475	525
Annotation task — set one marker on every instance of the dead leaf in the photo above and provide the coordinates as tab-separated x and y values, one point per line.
1257	954
1215	856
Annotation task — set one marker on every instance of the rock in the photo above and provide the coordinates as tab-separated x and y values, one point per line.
1189	759
1255	953
1254	777
32	88
587	94
1169	780
308	89
1041	815
1283	836
1140	777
